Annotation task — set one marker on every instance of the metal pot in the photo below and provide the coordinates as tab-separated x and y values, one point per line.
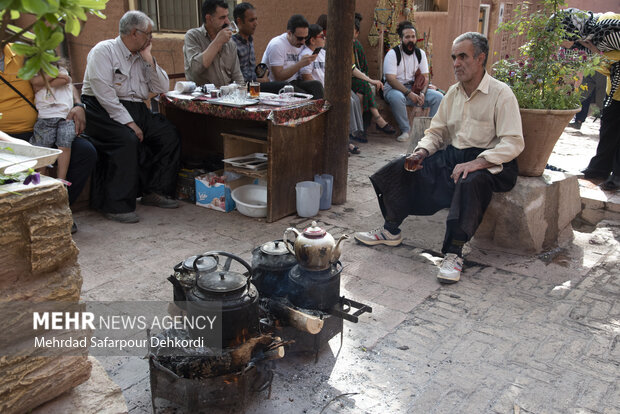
314	248
230	292
271	263
315	290
184	277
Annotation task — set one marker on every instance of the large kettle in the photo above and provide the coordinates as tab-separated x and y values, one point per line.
314	248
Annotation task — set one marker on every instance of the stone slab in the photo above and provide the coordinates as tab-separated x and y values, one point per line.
98	395
534	216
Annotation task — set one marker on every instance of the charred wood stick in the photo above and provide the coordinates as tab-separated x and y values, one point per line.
298	320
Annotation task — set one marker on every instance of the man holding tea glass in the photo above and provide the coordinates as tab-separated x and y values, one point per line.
479	121
209	54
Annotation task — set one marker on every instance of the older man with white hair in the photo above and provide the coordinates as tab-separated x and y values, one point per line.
138	150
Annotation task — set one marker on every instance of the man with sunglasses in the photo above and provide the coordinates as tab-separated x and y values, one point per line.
138	151
209	54
283	59
246	17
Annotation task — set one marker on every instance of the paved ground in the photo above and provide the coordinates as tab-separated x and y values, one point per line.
529	334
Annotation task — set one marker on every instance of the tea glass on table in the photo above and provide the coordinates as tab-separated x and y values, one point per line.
215	93
254	89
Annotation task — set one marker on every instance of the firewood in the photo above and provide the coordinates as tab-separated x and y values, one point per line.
297	319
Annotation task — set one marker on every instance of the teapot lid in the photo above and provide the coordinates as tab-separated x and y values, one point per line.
222	282
274	248
205	264
314	231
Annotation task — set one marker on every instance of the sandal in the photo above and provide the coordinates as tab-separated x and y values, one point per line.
354	149
359	138
387	129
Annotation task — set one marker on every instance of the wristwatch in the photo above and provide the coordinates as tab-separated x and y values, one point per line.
81	105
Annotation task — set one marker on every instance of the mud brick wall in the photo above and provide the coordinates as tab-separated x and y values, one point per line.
38	263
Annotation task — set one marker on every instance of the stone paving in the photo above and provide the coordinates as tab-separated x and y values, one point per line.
529	334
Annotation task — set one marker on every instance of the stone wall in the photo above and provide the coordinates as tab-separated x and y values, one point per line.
39	264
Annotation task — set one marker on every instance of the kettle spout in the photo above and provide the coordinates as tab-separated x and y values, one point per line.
337	249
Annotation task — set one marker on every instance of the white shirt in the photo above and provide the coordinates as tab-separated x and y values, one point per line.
55	102
316	68
280	52
405	72
113	73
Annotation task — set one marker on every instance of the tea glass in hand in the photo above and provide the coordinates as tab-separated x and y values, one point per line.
414	162
233	27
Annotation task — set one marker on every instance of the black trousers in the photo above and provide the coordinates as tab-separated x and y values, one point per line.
607	158
127	168
81	164
402	193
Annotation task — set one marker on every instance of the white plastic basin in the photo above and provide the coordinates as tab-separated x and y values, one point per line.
251	200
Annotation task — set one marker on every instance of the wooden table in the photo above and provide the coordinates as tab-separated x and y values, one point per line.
292	137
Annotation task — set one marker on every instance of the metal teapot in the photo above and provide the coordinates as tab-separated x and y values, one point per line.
314	248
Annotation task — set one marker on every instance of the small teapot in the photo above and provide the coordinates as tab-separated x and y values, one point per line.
314	248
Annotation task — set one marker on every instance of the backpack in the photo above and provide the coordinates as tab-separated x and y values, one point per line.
396	49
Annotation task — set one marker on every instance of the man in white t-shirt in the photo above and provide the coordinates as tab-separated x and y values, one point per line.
401	89
282	56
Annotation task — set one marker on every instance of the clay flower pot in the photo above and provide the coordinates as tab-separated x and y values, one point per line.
541	130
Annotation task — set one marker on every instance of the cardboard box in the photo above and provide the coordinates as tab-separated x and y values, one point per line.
213	190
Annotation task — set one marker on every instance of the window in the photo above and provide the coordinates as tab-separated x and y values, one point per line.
483	19
176	15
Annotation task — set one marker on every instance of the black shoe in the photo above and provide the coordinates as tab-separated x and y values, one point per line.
611	184
73	228
158	200
130	217
575	124
593	175
386	129
359	138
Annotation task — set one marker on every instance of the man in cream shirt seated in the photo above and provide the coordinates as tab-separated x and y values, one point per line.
479	121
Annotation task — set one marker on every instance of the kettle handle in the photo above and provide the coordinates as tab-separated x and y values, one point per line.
285	239
231	257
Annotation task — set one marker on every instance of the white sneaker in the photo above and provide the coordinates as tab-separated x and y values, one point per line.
404	137
378	236
451	268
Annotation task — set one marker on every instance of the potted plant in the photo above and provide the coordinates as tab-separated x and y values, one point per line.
545	78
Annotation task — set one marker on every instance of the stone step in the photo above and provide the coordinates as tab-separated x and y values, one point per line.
596	204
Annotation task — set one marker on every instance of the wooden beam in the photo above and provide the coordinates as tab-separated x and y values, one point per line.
340	16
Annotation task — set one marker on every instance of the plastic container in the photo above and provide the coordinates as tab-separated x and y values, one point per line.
251	200
327	183
308	198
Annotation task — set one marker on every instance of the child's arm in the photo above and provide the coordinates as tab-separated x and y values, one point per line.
38	82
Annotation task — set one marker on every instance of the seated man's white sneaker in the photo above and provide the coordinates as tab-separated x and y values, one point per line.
378	236
403	137
451	268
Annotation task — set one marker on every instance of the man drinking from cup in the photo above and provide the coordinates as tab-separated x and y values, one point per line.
209	54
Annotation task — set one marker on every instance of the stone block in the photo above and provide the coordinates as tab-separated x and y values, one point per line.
39	264
534	216
97	395
27	382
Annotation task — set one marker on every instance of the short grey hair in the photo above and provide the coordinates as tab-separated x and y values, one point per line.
480	42
134	19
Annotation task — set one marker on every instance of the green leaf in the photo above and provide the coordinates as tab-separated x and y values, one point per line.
53	41
49	68
4	4
37	7
24	49
73	26
30	69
